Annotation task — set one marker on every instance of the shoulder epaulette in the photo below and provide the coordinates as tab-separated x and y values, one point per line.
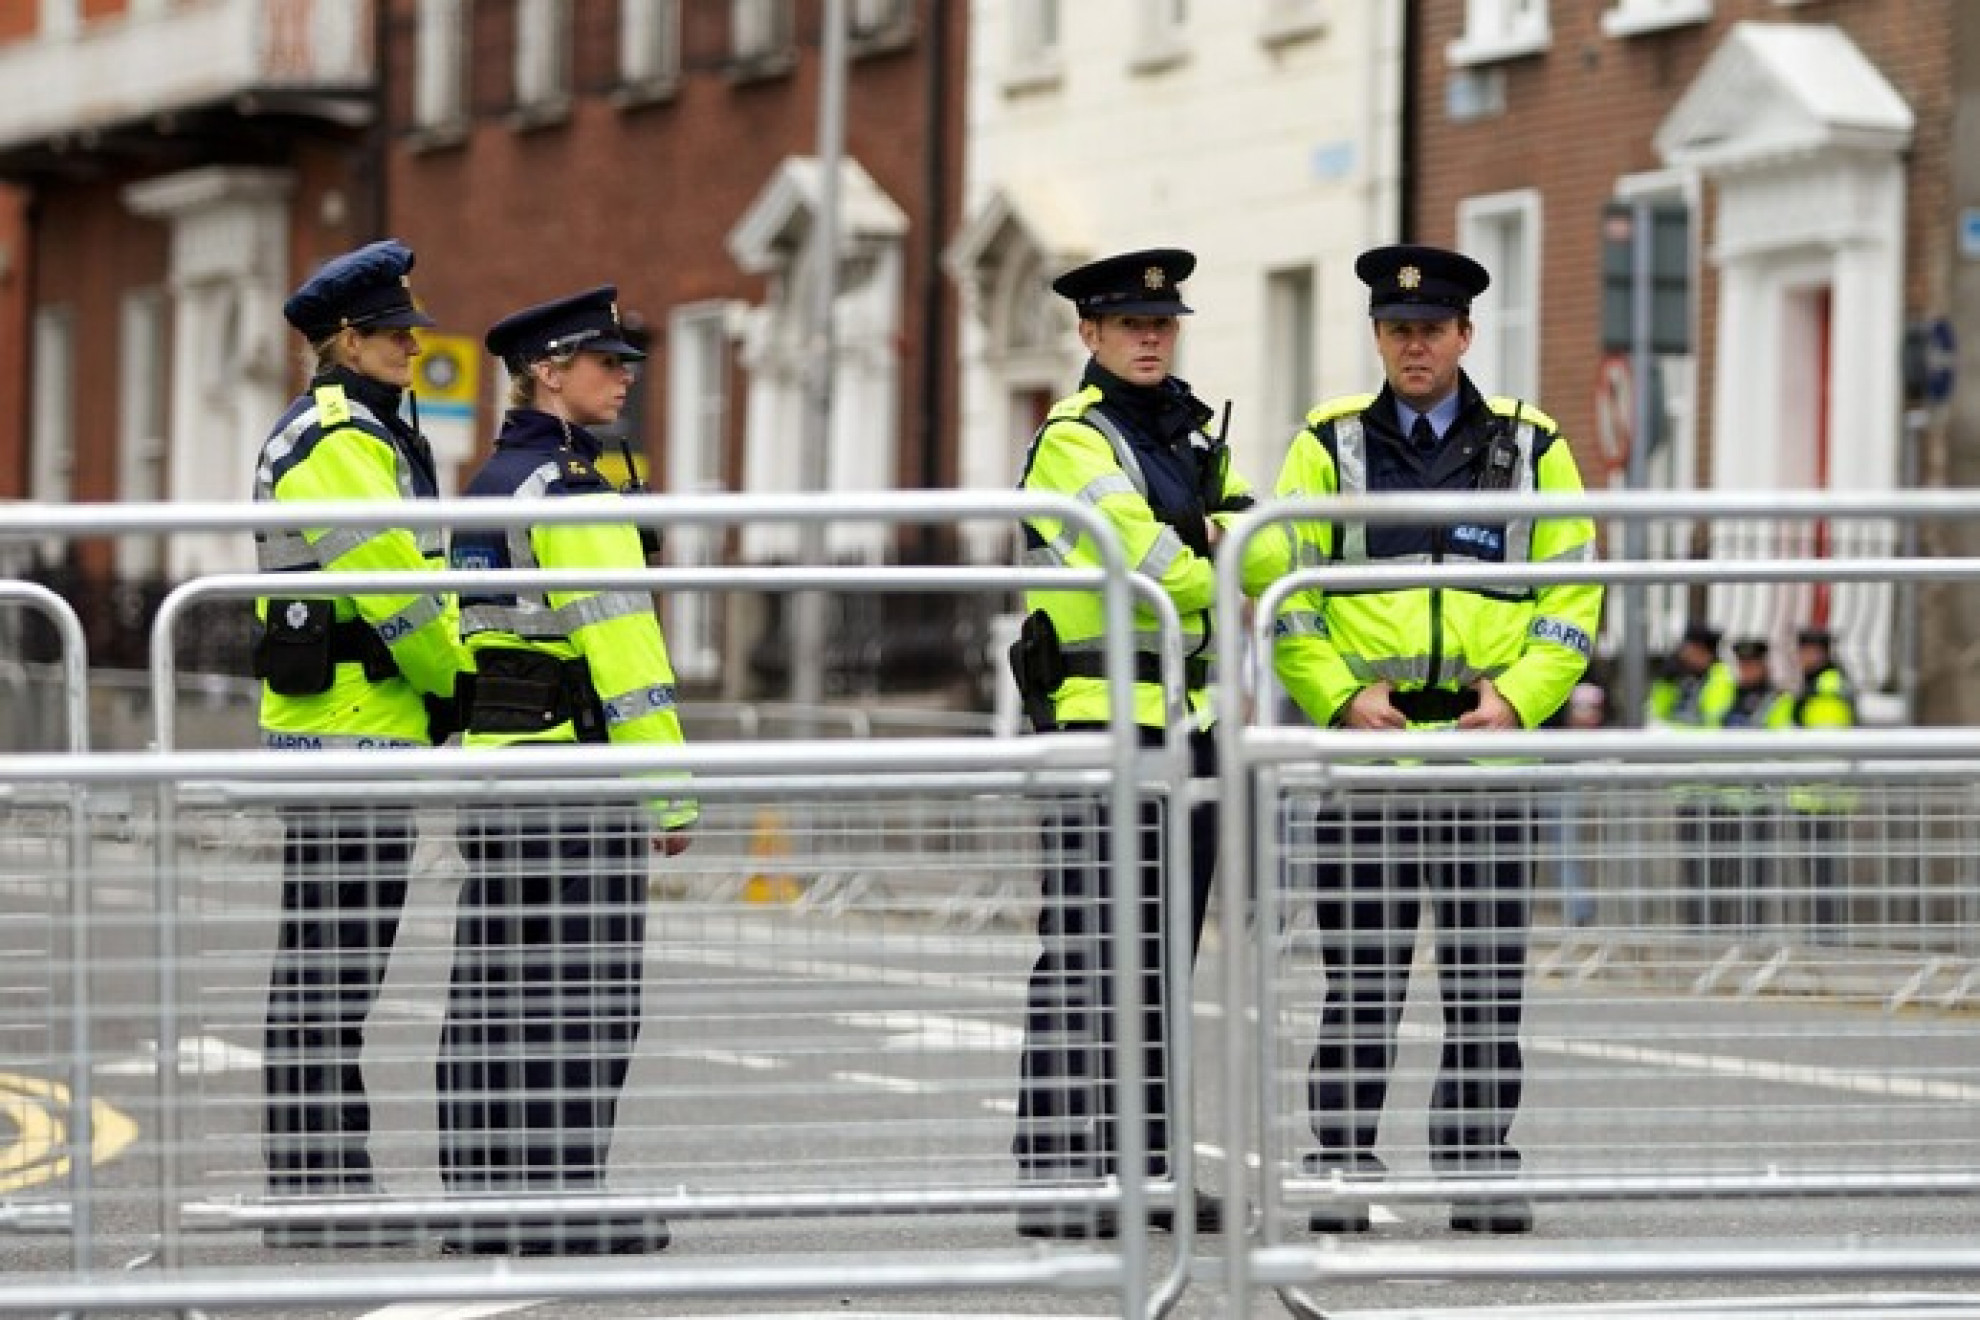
1339	407
1074	406
333	407
1506	407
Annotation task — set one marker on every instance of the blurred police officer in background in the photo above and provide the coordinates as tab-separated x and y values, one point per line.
1134	443
1695	687
375	671
1743	828
544	1004
1426	658
1826	699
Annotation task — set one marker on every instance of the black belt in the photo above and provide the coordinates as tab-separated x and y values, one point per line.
520	691
1434	705
1147	668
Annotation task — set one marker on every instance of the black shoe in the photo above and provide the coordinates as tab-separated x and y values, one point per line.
612	1238
1069	1223
305	1232
1499	1214
1347	1219
1209	1216
1342	1217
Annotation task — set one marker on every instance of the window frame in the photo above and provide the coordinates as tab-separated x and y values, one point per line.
698	420
1634	18
1036	50
440	69
1494	31
544	62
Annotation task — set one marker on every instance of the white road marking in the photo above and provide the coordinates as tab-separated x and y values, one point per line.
198	1056
882	1082
755	1062
450	1310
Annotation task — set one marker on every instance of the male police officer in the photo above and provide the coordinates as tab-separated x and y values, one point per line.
543	1007
375	671
1132	443
1426	657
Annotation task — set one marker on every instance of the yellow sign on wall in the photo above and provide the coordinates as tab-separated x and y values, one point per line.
447	375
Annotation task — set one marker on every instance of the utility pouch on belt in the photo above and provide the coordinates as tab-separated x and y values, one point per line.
1039	666
293	655
524	692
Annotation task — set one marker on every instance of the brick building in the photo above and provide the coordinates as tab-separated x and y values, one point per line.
671	149
1809	153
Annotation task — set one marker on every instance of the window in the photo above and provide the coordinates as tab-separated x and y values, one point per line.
1503	232
1037	43
1292	348
1160	40
649	42
60	18
1291	20
52	422
1500	30
1627	18
762	32
440	64
141	422
874	20
697	431
543	56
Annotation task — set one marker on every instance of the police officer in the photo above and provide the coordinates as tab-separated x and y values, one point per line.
1826	700
374	671
1742	816
1133	443
1426	658
544	1003
1693	693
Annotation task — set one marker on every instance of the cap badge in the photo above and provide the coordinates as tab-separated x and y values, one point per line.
1154	277
1409	277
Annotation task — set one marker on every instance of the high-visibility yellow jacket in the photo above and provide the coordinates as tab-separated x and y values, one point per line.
1143	459
1692	701
344	440
1534	644
614	633
1827	700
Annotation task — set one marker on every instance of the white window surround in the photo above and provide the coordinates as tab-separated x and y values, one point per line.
698	340
869	19
52	439
1503	231
1631	18
543	55
1161	38
440	64
1291	20
1037	49
761	30
1497	30
142	372
61	18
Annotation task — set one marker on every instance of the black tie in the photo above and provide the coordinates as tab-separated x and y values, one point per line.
1423	435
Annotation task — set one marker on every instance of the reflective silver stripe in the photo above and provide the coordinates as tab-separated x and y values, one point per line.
1303	623
1519	532
290	549
277	552
1123	451
1162	553
1107	483
335	544
1579	554
1561	632
532	619
410	619
1351	478
1396	669
277	740
639	703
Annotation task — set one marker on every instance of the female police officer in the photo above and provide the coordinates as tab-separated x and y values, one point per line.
545	998
372	671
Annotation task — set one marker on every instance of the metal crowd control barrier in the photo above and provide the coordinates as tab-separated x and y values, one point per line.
759	1013
1763	1011
51	1116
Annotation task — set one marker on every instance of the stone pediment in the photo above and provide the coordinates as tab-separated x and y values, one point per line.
1777	92
777	223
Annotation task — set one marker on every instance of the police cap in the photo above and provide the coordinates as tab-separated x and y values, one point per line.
1750	648
1411	282
1139	283
583	322
1814	636
1703	634
368	288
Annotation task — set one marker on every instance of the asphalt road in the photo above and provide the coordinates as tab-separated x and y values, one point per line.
798	1051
